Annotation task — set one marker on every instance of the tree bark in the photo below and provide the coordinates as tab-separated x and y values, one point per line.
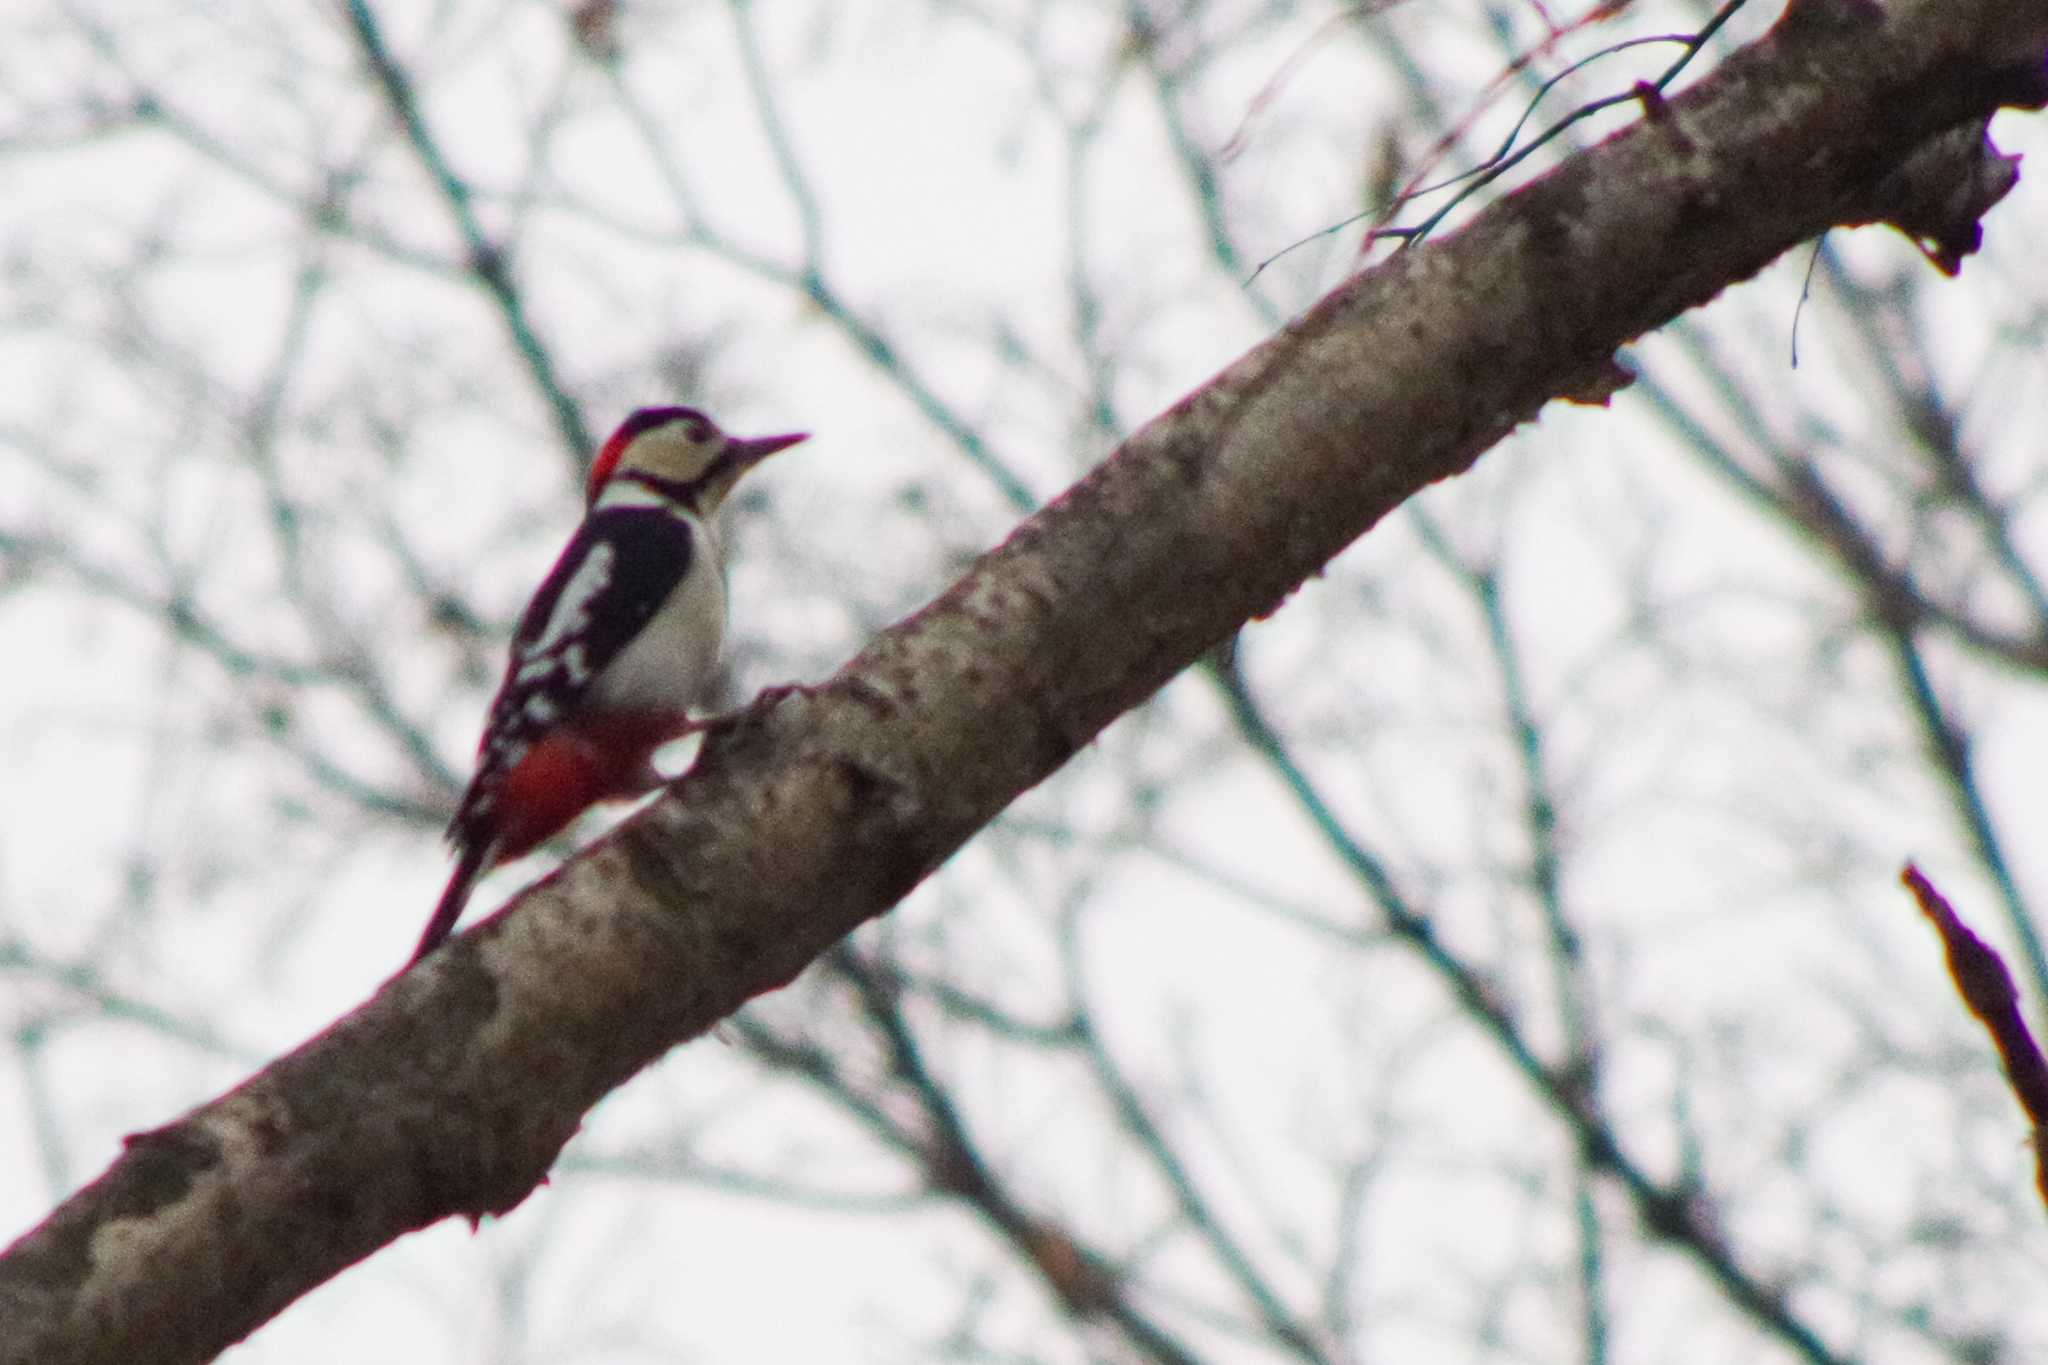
455	1087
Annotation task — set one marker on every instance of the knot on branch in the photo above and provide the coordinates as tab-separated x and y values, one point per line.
1938	196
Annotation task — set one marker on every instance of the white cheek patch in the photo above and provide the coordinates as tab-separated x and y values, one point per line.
628	492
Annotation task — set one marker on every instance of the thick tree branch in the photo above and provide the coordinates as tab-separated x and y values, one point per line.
453	1090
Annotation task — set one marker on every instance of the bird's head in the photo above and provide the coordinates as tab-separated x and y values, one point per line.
682	453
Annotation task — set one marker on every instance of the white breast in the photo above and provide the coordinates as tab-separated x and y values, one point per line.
670	662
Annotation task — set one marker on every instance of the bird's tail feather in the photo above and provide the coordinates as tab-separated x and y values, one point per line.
468	868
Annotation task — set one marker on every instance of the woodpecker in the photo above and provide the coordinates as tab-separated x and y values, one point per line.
617	643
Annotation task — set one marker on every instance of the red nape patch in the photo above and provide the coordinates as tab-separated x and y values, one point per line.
607	460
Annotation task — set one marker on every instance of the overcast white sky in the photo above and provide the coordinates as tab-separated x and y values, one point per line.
994	190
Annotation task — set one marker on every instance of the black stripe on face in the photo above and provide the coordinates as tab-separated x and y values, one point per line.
682	492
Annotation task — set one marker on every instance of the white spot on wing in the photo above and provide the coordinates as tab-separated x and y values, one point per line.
571	615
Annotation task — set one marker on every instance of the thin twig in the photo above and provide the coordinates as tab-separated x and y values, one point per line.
1986	987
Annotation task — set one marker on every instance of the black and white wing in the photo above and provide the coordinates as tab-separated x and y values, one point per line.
618	570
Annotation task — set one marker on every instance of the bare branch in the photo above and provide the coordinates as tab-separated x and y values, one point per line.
453	1089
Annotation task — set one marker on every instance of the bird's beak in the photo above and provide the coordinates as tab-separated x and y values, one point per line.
745	454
